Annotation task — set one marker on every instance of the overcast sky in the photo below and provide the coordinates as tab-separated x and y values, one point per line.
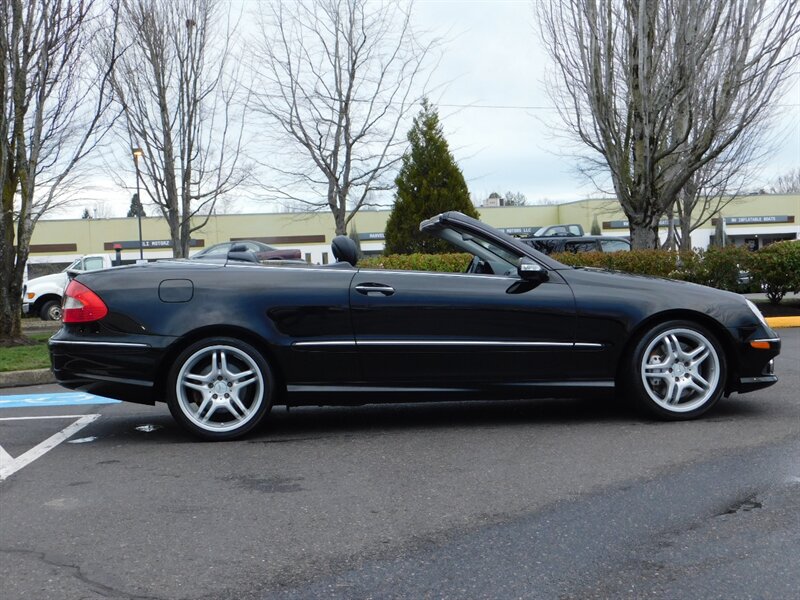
495	59
495	113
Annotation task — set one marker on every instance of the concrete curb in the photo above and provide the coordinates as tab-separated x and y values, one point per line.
23	378
782	322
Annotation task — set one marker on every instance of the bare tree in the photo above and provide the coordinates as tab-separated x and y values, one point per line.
335	80
713	187
52	102
788	183
657	89
178	87
515	199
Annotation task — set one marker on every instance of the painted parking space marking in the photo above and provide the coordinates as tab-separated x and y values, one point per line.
53	399
10	465
5	458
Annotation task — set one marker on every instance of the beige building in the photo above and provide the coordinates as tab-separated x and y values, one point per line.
750	220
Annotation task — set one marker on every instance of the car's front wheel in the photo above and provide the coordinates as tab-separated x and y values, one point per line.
220	388
677	370
50	311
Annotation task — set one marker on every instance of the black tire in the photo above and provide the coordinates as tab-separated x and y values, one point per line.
50	311
676	371
220	388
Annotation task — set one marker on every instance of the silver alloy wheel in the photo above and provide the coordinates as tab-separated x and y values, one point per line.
220	388
680	370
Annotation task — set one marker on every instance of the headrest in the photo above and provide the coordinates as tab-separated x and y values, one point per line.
344	250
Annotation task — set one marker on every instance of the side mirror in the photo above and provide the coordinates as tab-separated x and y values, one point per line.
532	271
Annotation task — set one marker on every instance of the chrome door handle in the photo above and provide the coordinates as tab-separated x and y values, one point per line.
374	288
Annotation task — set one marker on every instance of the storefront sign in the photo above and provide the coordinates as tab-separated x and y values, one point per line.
130	245
373	236
758	220
518	230
626	224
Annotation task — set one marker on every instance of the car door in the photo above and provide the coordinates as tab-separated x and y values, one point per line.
435	328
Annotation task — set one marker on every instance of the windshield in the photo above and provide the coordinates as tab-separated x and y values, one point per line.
501	259
77	265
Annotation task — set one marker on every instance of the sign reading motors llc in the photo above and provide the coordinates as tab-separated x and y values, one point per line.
155	244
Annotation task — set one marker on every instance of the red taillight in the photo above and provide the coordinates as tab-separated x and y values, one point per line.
82	305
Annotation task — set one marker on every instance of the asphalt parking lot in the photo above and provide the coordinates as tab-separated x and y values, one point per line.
534	499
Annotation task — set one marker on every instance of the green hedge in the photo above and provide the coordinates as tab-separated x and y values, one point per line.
774	269
445	263
641	262
721	268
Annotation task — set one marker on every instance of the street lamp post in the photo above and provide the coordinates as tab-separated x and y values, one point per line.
138	152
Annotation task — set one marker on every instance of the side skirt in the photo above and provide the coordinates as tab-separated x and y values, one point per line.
362	393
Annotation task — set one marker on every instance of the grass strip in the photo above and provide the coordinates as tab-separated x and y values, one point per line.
23	358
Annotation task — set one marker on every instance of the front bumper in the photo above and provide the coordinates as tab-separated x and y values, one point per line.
756	362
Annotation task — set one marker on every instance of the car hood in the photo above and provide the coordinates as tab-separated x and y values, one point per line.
55	278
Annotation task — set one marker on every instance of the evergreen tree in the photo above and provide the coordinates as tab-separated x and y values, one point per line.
429	183
136	208
86	214
356	240
596	227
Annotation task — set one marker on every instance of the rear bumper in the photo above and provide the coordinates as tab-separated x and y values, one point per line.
127	390
122	371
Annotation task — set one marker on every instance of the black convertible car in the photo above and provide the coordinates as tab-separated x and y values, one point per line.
222	343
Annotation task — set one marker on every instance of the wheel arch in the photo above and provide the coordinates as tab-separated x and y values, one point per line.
41	300
720	332
212	331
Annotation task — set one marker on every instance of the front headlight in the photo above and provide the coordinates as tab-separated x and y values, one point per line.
757	313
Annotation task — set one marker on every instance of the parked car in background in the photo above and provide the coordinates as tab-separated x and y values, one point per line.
42	295
586	243
222	342
568	229
260	249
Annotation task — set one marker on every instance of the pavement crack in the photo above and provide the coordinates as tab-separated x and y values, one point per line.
77	573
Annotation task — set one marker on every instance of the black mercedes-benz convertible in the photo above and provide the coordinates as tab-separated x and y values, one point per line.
223	341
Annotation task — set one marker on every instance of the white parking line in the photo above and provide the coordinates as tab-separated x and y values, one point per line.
10	465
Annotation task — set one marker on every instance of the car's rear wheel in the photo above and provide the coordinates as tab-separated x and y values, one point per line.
50	311
220	388
677	370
